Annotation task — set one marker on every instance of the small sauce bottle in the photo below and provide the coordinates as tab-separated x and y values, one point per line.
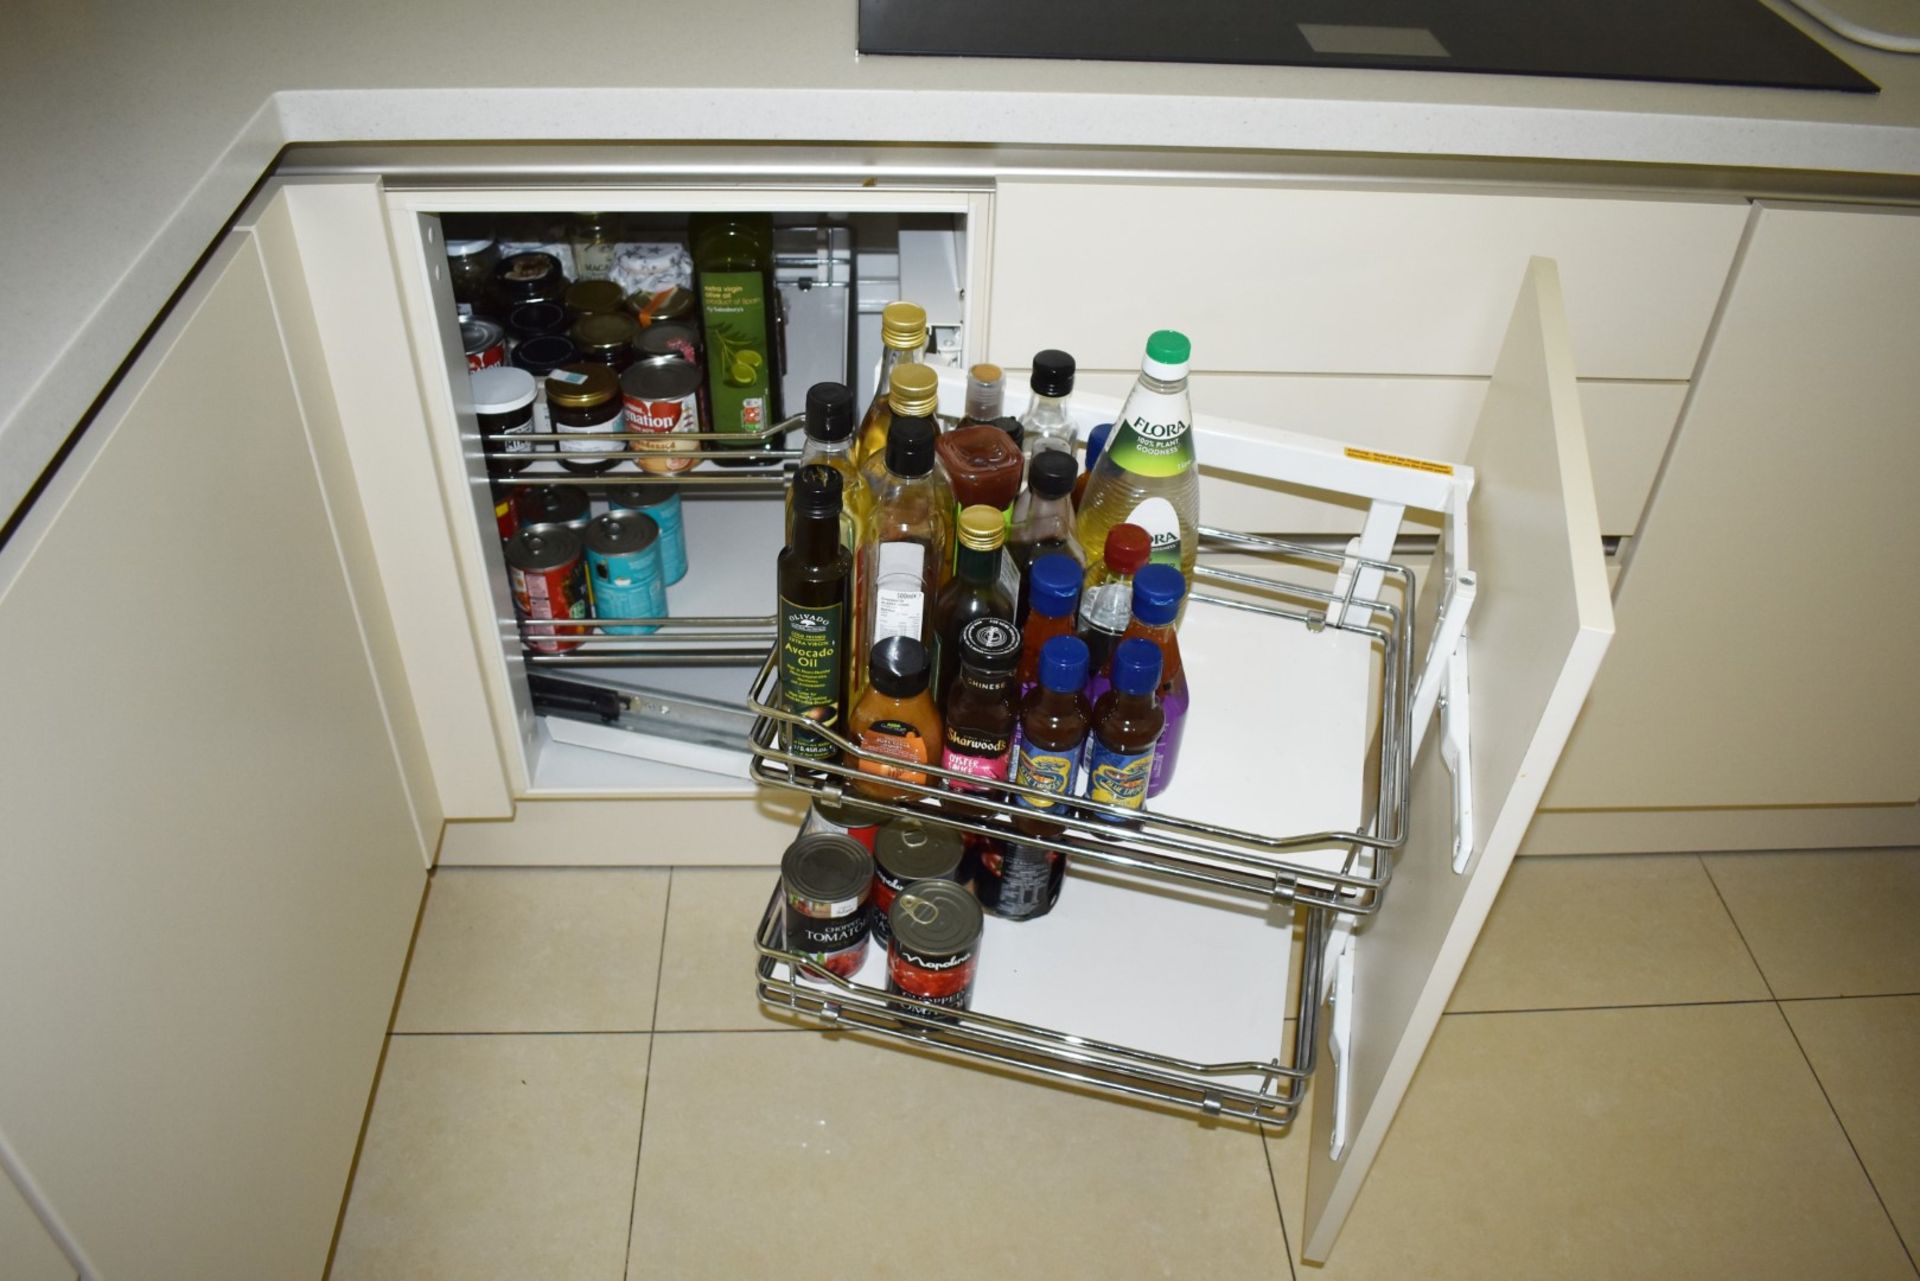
986	394
974	592
1042	520
895	718
1127	722
1107	602
1157	594
1054	597
1025	881
980	707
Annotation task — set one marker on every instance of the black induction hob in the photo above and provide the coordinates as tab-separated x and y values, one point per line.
1726	42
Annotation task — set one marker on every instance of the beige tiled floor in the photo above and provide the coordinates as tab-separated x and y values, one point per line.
1629	1085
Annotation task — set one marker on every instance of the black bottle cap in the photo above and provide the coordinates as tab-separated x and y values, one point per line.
898	667
829	412
990	644
1052	473
818	490
1052	373
1012	427
910	446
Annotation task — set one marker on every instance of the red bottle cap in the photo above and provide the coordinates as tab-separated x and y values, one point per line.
1128	547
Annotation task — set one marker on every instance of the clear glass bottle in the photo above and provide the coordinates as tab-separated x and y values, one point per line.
903	339
829	442
975	592
1043	520
1106	604
913	394
1148	475
1046	422
904	543
986	394
593	236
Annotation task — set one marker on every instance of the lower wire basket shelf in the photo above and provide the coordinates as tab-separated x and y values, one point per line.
1130	986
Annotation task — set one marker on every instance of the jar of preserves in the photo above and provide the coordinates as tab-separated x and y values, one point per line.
583	401
674	303
503	403
593	298
470	267
605	339
536	320
540	357
529	277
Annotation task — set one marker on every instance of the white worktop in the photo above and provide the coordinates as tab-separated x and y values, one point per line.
131	133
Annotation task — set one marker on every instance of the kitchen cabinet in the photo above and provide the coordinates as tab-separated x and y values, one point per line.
1766	654
213	858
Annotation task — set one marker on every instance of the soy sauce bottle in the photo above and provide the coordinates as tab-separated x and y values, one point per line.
1127	722
1025	881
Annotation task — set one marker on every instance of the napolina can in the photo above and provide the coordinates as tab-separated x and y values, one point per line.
825	879
935	951
906	851
548	575
662	399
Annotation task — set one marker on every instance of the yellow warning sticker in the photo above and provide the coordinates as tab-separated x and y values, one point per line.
1400	460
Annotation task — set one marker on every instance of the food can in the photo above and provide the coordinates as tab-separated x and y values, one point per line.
825	879
549	582
908	850
662	502
485	343
505	514
935	950
670	338
662	395
623	570
1018	882
554	505
844	818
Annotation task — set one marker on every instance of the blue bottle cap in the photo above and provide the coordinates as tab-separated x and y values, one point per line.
1136	666
1054	585
1157	590
1063	663
1097	443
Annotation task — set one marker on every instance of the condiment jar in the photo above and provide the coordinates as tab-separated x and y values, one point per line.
895	719
606	339
583	399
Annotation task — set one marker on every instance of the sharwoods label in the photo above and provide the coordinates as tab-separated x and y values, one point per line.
1400	460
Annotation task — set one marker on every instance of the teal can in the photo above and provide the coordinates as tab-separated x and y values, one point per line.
623	570
662	503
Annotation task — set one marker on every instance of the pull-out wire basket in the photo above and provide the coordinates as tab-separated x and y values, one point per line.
1352	864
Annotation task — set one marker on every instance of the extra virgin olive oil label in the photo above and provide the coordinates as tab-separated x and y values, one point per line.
734	304
1118	778
812	667
1046	771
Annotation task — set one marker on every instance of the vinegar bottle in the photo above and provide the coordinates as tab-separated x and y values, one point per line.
1147	475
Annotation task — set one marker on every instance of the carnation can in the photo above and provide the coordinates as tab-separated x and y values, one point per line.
662	399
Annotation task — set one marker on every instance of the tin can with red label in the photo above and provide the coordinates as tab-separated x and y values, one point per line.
486	344
843	818
825	879
549	579
935	951
506	514
908	850
662	395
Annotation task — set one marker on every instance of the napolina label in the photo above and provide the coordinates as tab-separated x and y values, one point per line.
811	670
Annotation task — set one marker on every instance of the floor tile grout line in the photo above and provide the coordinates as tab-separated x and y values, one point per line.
1273	1181
622	1031
646	1084
1848	1136
1738	932
1628	1005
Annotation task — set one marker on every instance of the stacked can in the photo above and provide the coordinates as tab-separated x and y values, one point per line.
662	503
935	950
623	571
549	581
843	818
825	880
907	851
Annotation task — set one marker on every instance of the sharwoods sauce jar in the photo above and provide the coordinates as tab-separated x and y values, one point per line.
905	851
936	944
825	879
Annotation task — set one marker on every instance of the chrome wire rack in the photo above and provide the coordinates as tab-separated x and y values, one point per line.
737	466
1265	1093
1183	848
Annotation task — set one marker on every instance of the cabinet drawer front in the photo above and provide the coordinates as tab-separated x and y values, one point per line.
1628	426
1291	280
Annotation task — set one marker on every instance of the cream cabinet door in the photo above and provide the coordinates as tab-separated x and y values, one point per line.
1767	613
211	869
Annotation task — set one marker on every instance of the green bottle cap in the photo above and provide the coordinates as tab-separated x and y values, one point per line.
1169	347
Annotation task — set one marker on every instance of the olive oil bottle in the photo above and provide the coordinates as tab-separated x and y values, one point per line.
733	279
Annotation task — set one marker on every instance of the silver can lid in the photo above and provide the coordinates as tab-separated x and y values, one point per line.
909	850
827	867
621	533
543	547
936	919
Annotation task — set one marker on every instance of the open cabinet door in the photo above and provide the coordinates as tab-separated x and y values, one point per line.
1540	625
212	860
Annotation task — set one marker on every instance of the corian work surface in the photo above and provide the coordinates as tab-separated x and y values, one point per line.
130	133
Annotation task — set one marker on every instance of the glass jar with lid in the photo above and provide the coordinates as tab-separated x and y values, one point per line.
594	298
470	268
593	237
583	402
607	339
540	357
529	277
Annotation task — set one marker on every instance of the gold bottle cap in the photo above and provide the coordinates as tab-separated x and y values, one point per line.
982	528
582	385
913	391
986	373
903	326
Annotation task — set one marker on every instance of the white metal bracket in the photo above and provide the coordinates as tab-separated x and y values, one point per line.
1456	753
1375	543
1339	1037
